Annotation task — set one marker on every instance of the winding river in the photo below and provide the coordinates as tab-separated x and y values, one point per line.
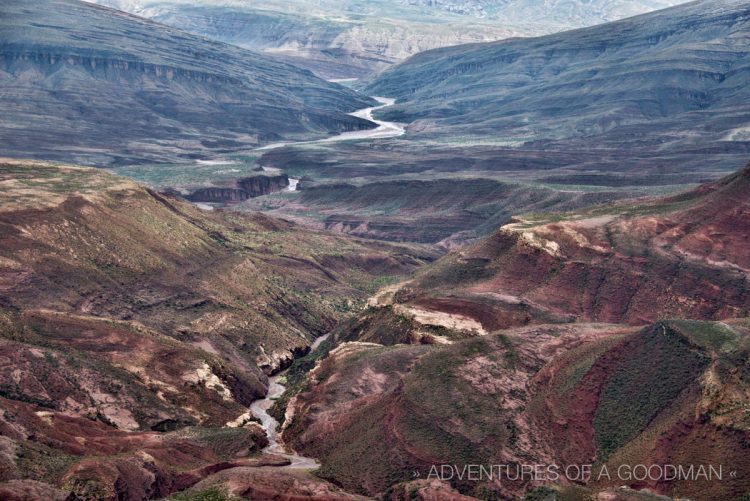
382	131
260	408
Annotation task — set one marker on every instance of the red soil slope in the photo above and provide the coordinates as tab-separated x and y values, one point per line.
686	256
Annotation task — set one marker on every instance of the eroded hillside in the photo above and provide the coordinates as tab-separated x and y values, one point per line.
136	329
671	393
489	356
353	38
682	256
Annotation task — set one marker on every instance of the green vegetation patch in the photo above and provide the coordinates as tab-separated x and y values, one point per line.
713	336
367	453
211	494
27	184
226	443
452	271
191	174
296	378
446	415
41	462
657	366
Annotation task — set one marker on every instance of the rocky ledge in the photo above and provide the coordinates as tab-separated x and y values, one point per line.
246	187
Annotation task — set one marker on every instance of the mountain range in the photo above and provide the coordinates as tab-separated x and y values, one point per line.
564	13
91	84
672	80
355	38
587	116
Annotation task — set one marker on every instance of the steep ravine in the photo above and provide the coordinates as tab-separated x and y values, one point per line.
260	408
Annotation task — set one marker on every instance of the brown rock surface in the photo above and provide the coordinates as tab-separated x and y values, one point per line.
570	394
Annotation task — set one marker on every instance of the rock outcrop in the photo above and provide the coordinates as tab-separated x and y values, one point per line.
488	356
247	187
684	256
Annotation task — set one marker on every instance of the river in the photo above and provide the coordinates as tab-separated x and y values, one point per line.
260	408
383	130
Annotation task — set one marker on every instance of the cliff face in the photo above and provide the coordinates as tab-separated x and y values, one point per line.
248	187
256	186
356	38
679	257
328	39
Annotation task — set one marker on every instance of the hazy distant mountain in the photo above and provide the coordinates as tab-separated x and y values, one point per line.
88	83
673	78
356	37
564	12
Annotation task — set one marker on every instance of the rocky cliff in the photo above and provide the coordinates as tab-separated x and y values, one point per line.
247	187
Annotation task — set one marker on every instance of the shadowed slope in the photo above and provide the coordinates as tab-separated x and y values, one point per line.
673	79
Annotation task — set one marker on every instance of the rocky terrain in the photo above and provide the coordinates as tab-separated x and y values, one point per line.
246	187
682	256
538	255
574	394
136	329
498	354
409	190
643	106
356	38
93	85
